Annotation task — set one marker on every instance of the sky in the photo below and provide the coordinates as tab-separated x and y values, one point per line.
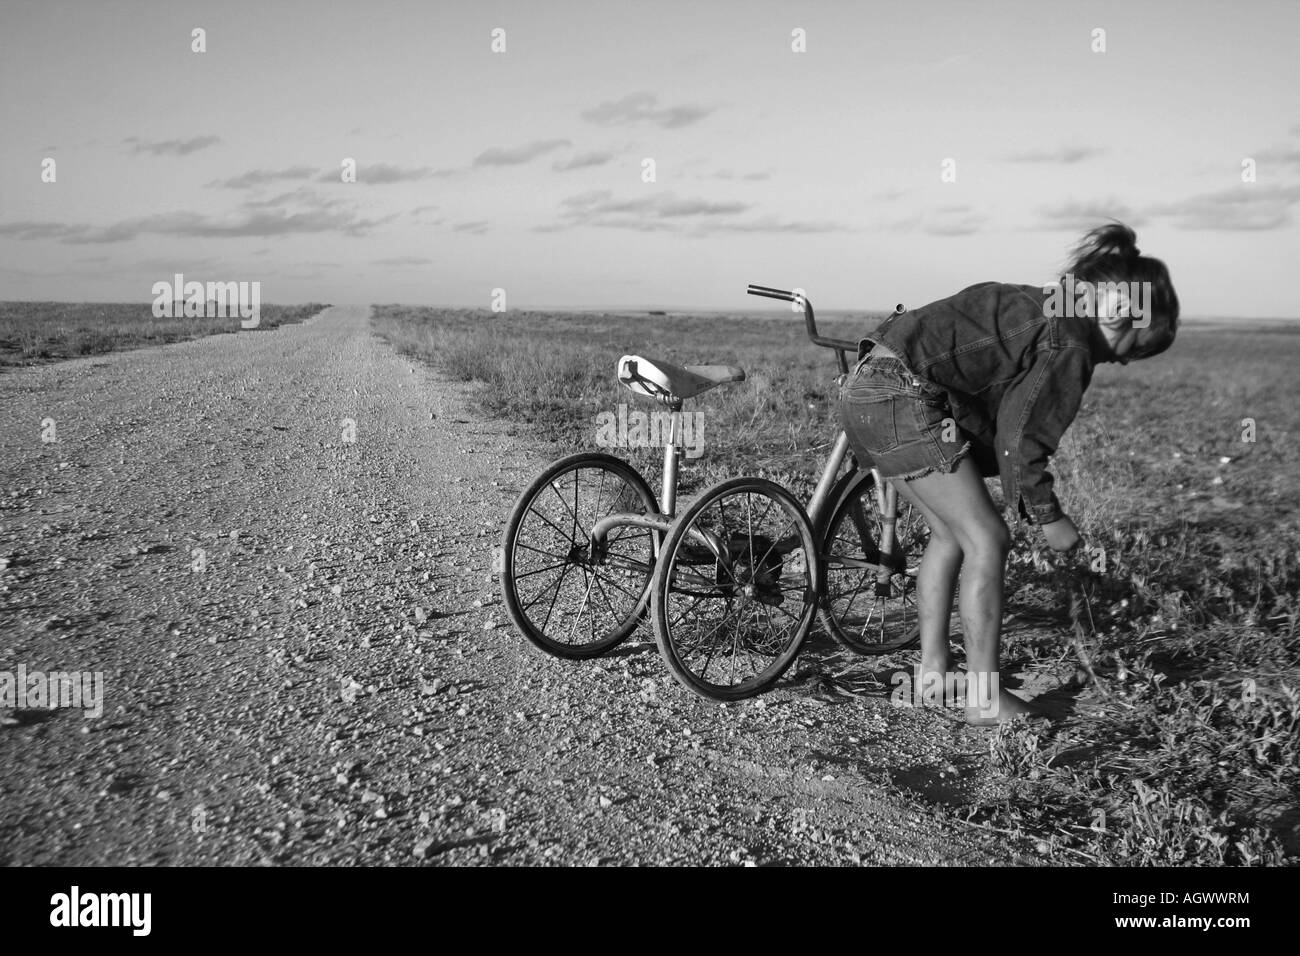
867	152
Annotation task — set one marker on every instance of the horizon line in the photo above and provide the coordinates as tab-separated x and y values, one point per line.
770	312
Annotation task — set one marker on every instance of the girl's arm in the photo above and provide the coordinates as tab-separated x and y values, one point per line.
1033	415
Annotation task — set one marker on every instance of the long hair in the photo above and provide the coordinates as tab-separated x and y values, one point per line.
1110	254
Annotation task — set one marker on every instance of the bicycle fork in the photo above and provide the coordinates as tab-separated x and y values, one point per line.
887	501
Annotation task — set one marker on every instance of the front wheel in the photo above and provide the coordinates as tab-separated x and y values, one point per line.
559	595
735	589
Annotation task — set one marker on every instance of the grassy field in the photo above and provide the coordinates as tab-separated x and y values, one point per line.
1188	750
33	333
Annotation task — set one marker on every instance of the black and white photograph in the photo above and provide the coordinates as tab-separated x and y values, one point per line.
580	434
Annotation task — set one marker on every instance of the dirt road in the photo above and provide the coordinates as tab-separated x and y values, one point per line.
276	548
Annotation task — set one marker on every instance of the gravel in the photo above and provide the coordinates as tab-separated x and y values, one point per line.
306	661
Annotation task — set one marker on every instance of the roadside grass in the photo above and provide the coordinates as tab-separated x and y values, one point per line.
1176	623
33	333
552	374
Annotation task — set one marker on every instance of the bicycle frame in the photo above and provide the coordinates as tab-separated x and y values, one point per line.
886	493
667	501
819	505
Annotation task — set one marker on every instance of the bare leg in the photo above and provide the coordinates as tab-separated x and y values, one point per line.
961	503
935	582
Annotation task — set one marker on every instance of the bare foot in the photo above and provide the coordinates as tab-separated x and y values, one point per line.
923	685
1007	707
936	684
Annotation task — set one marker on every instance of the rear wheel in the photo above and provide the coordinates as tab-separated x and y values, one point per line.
559	595
735	590
860	611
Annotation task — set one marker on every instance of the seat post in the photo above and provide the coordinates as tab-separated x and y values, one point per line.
668	498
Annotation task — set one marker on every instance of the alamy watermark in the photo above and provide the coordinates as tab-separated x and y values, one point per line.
31	690
956	689
194	300
638	429
1070	298
75	908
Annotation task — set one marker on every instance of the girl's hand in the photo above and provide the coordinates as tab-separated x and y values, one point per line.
1062	535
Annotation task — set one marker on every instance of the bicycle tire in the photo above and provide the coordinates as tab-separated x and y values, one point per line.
758	579
899	627
634	594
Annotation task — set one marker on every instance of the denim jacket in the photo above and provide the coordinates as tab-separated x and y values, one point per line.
1014	378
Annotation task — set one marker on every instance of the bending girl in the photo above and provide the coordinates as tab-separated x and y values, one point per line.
1001	369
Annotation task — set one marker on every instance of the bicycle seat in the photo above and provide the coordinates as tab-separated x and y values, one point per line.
669	383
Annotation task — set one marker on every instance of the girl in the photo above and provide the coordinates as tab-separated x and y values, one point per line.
983	383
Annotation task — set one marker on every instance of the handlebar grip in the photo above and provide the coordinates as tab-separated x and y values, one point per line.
810	320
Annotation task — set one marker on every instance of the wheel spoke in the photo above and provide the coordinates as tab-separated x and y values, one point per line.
578	617
549	554
713	647
609	605
614	584
856	615
529	574
559	584
733	635
573	513
560	531
694	605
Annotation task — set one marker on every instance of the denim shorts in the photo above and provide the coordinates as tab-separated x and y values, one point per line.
898	423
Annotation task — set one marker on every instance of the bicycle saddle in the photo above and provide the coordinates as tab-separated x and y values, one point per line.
668	383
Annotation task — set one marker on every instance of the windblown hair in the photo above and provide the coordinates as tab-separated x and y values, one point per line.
1110	254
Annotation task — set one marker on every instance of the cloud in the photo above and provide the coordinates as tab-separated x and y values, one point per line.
301	194
382	174
514	156
775	224
1065	154
477	227
582	161
260	177
589	206
729	174
1282	155
1249	207
403	261
943	221
1076	215
169	266
641	108
171	147
424	215
666	212
30	230
301	213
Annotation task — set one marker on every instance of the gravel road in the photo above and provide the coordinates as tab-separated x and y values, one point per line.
305	660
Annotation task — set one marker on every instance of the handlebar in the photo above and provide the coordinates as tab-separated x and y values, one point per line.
841	346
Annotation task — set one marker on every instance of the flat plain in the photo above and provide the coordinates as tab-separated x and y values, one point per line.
277	548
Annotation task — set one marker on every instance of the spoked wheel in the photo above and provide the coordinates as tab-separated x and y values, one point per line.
860	612
559	595
735	590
